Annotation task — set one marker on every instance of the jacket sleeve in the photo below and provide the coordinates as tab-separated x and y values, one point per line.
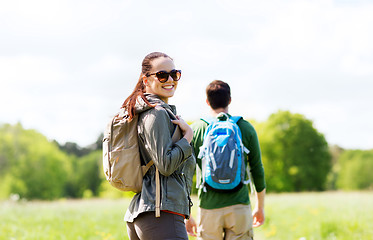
166	155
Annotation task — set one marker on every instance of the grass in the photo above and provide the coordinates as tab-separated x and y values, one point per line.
303	216
313	216
65	219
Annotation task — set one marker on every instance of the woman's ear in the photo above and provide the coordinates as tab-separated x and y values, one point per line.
145	80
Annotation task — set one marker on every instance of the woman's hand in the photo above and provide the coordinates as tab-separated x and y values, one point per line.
185	128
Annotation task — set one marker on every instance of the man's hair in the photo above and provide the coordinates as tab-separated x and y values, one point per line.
218	94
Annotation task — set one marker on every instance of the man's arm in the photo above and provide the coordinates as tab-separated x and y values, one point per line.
258	213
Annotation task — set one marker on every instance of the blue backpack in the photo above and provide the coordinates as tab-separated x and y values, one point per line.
223	163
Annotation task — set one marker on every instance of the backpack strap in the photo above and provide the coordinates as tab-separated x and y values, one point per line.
235	119
208	120
157	194
170	113
146	167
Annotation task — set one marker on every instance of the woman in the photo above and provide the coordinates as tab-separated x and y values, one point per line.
174	161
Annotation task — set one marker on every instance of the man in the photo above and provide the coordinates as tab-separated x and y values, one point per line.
228	214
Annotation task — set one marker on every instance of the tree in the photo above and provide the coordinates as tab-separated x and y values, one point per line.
86	162
335	152
87	175
355	170
37	168
295	154
72	148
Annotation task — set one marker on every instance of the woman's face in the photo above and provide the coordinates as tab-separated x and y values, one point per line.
154	86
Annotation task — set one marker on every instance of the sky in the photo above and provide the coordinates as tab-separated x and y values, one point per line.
66	66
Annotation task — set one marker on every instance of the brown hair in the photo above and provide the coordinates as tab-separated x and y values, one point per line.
218	94
129	103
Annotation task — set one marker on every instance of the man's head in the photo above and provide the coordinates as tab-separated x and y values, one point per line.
218	94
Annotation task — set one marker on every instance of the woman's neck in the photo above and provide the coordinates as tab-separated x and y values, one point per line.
162	98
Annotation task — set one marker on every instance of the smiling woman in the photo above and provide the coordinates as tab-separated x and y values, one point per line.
164	199
163	82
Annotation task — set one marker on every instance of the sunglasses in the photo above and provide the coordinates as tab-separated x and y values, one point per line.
163	76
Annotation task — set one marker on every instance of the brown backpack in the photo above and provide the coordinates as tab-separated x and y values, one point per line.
121	156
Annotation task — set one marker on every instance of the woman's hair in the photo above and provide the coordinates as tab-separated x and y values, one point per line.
129	103
218	94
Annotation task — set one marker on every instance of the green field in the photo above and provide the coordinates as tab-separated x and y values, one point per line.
312	216
303	216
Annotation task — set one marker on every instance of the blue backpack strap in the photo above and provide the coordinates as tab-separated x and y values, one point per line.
235	119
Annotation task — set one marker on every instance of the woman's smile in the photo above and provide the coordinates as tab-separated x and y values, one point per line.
168	86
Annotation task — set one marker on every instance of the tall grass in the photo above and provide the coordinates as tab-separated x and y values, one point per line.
313	216
65	219
303	216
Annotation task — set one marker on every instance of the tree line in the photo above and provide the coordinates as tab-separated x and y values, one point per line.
295	155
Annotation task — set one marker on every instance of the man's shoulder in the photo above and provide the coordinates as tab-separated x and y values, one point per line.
245	126
199	124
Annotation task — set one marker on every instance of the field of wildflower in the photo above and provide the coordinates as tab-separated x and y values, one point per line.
314	216
303	216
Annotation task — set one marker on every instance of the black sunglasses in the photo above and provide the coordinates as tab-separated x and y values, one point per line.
162	76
